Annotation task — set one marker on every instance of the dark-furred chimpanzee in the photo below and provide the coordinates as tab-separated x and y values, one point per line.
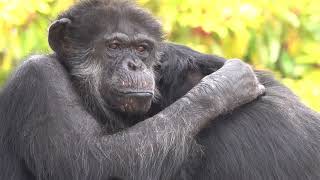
74	115
273	137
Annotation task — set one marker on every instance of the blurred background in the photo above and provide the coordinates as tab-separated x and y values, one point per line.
281	36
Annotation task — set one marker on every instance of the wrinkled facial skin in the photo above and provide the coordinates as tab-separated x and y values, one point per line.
110	56
130	83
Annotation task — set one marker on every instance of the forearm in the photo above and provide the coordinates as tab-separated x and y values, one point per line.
158	142
168	137
74	142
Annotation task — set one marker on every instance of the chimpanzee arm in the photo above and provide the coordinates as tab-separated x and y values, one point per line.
44	124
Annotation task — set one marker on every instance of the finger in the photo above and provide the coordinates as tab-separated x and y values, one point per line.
261	89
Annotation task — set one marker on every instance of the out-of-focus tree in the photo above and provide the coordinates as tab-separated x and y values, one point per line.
282	36
23	29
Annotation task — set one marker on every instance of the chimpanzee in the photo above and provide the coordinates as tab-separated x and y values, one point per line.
78	113
273	137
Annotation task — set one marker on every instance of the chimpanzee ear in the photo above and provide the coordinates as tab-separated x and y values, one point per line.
56	34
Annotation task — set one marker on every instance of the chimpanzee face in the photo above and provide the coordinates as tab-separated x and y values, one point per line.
110	55
128	60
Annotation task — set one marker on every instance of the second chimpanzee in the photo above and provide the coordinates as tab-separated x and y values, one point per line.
273	137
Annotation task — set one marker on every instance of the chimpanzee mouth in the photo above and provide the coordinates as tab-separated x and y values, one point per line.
137	93
133	102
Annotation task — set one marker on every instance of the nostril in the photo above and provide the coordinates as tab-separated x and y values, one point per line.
132	66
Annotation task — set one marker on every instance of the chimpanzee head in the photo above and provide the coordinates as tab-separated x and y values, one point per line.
109	47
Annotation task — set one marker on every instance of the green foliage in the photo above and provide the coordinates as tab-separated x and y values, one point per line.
282	36
23	26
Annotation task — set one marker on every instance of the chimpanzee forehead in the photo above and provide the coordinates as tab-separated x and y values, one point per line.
108	20
90	22
130	28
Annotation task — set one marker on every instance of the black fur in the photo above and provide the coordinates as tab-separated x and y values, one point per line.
274	137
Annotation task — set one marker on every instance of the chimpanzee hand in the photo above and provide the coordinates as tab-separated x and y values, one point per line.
229	87
246	85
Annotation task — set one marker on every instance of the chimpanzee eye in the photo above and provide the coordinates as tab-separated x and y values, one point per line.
141	48
114	45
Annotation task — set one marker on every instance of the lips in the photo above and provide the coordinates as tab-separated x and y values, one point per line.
136	101
137	93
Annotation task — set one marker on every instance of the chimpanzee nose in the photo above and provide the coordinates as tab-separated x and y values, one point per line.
134	66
